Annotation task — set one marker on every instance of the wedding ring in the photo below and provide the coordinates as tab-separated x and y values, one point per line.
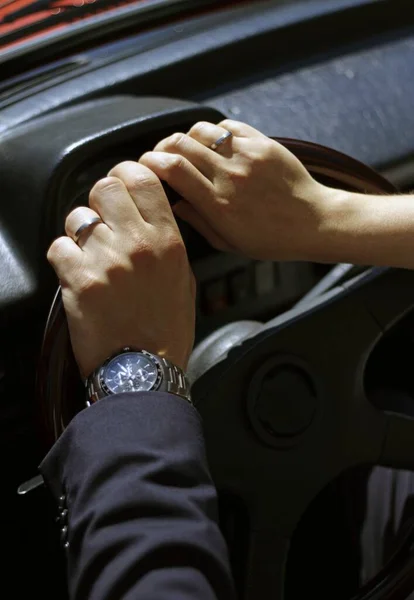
85	226
221	140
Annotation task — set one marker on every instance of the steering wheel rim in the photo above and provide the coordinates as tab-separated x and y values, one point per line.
230	392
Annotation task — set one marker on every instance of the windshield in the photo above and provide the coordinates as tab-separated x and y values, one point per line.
24	20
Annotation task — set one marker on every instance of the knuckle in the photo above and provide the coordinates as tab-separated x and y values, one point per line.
106	186
120	170
57	250
176	141
258	153
147	156
116	269
239	174
174	250
252	156
266	148
199	127
140	252
174	244
175	162
72	216
140	177
119	167
228	124
110	273
145	178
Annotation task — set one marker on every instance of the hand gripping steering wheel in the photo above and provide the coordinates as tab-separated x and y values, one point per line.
283	405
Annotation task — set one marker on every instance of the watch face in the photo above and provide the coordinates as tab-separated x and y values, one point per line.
130	372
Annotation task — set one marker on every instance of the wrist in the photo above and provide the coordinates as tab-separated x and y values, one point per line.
136	370
324	225
345	224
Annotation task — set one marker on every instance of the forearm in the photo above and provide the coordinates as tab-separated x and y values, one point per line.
142	516
367	230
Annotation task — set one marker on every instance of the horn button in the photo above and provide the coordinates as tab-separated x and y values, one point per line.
282	401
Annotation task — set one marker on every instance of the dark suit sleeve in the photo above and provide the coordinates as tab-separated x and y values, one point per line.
142	509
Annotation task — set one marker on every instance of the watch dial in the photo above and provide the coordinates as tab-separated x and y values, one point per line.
130	372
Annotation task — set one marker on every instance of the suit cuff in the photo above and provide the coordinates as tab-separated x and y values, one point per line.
156	419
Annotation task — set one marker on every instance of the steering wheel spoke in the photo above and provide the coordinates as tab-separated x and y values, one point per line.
388	294
265	577
286	412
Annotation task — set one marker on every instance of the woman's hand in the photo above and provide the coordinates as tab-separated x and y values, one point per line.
251	195
128	282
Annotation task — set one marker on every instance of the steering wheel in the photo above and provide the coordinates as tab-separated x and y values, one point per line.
283	404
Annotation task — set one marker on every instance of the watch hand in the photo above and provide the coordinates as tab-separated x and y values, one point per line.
123	368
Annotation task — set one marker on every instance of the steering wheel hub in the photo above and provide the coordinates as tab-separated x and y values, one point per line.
282	400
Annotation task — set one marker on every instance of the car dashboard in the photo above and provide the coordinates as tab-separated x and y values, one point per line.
338	73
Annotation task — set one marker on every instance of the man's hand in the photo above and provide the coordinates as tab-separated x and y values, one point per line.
251	195
128	282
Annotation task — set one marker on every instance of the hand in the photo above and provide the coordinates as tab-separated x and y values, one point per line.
251	195
128	282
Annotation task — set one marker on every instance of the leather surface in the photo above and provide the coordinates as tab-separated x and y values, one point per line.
139	66
285	69
360	104
39	162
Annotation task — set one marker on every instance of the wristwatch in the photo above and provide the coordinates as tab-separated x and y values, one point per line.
132	370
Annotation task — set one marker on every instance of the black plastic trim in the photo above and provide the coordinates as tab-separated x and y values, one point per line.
229	44
38	166
96	27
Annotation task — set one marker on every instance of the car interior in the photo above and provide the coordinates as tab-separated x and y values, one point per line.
302	372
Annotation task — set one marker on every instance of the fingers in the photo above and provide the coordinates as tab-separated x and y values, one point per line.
111	200
204	159
132	193
65	257
145	189
187	213
240	129
182	176
208	133
80	216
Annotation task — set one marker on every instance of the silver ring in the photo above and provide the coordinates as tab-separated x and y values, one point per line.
221	140
85	226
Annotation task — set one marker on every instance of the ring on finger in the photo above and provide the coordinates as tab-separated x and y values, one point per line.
221	140
84	226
